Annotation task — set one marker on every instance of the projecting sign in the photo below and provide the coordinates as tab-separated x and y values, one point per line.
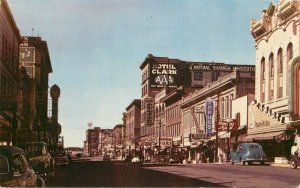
209	112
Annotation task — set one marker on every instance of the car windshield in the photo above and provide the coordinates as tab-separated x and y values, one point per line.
254	147
34	150
3	165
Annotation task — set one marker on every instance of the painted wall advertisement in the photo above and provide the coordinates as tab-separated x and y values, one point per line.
209	112
165	74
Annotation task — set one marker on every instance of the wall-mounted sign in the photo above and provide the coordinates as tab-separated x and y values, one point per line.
224	125
221	67
149	102
165	74
209	112
26	58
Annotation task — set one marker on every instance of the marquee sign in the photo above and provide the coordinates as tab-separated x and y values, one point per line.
165	74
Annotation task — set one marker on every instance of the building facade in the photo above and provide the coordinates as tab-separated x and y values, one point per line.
208	121
132	124
35	58
119	141
10	111
164	79
276	111
106	141
92	141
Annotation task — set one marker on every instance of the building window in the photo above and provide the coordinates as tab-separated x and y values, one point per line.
280	59
263	68
198	75
215	75
271	62
289	51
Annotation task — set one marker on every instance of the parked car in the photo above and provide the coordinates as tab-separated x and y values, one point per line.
40	158
295	153
248	153
15	169
135	159
60	158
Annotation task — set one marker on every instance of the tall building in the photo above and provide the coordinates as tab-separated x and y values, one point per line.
10	111
34	57
277	109
92	141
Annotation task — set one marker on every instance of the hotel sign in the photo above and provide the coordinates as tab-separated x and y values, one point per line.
221	67
162	74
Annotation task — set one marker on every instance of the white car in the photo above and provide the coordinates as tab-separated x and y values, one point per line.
135	160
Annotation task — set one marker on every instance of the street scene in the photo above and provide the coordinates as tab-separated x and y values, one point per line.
139	93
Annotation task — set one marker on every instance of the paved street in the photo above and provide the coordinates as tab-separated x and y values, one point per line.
119	174
237	175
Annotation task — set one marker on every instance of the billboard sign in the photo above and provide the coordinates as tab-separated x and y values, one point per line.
165	74
209	112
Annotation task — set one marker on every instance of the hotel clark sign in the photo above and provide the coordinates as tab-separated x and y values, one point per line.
165	74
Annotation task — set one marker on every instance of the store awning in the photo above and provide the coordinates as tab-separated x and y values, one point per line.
264	136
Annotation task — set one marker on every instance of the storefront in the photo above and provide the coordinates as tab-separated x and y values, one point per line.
275	136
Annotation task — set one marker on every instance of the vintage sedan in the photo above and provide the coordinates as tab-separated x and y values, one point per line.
248	153
15	169
40	158
60	158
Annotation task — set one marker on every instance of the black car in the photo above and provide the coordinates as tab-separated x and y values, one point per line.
15	169
40	158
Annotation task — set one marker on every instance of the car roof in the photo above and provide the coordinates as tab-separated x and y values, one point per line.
9	150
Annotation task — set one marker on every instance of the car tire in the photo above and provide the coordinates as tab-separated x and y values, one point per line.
243	163
231	162
293	164
40	182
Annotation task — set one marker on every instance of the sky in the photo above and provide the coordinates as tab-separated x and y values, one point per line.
97	46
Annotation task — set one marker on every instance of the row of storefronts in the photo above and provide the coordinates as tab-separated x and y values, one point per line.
207	108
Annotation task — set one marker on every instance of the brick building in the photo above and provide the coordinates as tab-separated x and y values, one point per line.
10	40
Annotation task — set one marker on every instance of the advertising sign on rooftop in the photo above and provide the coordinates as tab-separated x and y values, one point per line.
165	74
